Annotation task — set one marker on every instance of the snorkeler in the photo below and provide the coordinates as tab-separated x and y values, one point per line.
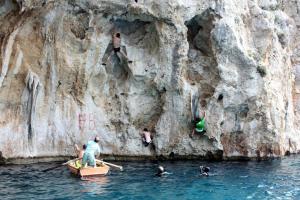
204	171
161	171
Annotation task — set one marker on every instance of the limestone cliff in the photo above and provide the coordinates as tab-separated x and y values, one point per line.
238	58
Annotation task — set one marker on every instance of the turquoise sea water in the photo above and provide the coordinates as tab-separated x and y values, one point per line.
277	179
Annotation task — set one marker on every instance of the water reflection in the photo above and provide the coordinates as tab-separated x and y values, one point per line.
94	185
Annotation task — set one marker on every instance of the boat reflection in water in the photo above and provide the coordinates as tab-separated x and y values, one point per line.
94	185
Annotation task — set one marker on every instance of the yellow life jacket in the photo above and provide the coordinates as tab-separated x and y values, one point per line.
78	164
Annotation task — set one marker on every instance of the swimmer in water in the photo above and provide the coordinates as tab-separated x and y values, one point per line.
204	171
161	171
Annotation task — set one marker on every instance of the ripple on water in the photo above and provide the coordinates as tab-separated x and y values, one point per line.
278	179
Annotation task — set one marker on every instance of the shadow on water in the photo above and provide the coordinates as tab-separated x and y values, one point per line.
228	180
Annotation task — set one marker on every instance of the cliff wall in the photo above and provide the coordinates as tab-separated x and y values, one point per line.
240	59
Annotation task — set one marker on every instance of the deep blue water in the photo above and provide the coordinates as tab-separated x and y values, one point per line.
277	179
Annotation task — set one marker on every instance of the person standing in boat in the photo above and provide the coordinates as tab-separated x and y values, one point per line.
92	150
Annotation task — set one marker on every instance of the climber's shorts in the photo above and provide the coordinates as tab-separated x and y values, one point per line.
117	49
146	143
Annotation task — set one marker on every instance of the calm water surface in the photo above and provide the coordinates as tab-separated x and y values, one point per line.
277	179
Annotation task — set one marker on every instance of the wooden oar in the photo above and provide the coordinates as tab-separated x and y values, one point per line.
110	164
63	164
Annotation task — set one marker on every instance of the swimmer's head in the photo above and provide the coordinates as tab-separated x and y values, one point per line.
161	169
204	169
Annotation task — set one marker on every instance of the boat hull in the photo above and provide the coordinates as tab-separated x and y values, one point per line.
89	171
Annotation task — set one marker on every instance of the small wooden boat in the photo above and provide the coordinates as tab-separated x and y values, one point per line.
101	169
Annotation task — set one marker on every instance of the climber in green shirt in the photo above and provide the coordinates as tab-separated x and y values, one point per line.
199	124
198	114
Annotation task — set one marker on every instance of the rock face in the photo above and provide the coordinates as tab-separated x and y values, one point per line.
240	60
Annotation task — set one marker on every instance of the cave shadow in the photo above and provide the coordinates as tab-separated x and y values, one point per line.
202	71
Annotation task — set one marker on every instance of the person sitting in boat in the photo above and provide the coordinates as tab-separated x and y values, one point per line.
80	153
204	171
92	150
146	137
